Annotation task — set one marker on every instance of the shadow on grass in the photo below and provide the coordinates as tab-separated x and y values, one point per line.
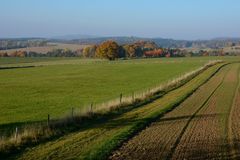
7	129
77	125
18	67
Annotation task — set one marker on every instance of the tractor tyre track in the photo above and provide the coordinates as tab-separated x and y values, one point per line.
206	138
233	136
160	137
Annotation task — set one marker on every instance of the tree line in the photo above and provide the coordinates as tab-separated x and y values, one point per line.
111	50
54	53
13	44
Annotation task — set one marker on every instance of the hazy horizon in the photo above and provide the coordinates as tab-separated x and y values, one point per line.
188	20
106	36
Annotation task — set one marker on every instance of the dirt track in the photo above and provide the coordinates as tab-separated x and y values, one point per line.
234	125
197	129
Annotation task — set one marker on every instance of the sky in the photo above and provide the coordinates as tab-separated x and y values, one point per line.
177	19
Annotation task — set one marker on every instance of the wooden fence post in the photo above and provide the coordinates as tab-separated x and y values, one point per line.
16	133
91	108
48	120
121	98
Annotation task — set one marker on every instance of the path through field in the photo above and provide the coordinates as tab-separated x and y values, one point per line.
205	126
97	140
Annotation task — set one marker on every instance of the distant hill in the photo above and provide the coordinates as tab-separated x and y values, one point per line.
120	40
226	39
73	36
166	43
215	43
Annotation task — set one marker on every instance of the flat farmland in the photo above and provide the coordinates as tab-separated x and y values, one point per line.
197	119
204	126
96	140
54	86
47	48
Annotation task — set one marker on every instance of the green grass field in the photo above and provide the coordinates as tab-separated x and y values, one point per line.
97	140
57	85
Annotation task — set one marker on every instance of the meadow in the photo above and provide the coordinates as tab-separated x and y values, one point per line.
54	86
47	48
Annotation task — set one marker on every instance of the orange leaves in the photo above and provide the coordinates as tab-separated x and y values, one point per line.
154	53
18	54
108	49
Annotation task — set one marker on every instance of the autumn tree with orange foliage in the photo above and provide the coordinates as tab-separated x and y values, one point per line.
108	50
3	54
89	52
19	54
130	51
154	53
168	55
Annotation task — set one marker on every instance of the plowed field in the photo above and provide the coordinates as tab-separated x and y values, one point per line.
205	126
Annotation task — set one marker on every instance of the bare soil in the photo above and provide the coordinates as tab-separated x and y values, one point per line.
197	129
234	125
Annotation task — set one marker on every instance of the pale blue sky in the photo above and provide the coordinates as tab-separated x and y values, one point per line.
179	19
